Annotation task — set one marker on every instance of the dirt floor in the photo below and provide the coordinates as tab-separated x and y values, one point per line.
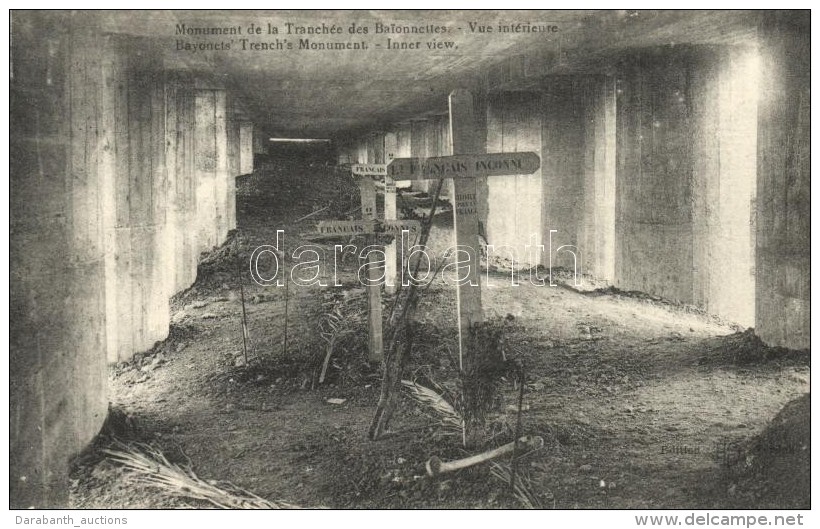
641	403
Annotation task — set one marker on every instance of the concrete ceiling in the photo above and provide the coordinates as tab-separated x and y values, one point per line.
303	93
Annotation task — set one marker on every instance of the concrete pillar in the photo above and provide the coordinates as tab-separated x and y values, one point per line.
375	148
418	148
361	151
654	175
685	176
211	167
724	118
345	153
179	158
783	258
245	147
570	201
391	265
596	235
404	140
141	261
515	204
563	168
57	335
233	153
260	142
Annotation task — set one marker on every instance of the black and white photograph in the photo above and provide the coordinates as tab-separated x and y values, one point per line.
410	259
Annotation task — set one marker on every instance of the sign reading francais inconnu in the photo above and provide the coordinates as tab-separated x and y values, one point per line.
464	166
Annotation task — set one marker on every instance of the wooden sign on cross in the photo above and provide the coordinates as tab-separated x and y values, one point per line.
466	164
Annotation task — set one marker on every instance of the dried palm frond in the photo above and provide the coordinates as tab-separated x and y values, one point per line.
451	419
150	466
521	488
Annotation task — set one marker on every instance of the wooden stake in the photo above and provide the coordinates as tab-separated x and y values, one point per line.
401	338
463	135
245	336
391	146
514	463
374	293
285	340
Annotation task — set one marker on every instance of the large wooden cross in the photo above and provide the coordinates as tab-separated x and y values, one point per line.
468	162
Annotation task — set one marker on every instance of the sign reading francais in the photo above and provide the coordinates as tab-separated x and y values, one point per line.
356	227
369	169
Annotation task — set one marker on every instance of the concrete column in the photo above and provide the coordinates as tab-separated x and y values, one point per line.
211	167
404	140
145	186
724	117
563	166
140	251
686	141
245	147
418	148
345	153
783	259
515	204
233	153
179	157
260	142
361	151
57	335
375	148
596	235
654	175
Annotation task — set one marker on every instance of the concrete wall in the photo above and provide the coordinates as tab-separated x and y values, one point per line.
375	148
654	178
724	117
562	137
429	137
596	231
179	158
515	204
106	183
570	123
57	258
403	137
783	262
685	176
245	147
210	166
134	112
